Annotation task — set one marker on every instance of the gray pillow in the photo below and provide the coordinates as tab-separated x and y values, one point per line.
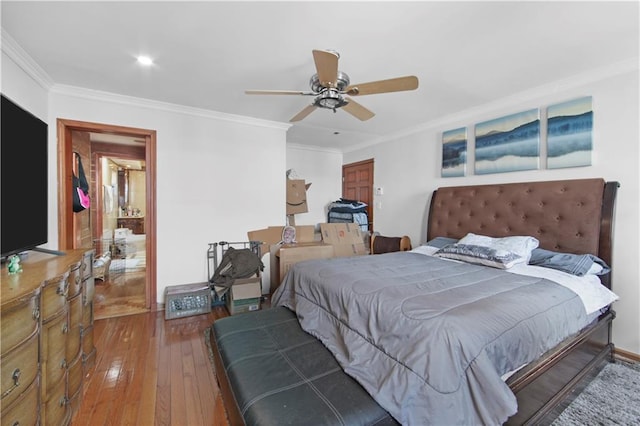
576	264
481	255
439	242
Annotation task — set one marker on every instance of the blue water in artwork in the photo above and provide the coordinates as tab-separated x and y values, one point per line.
517	149
567	134
522	148
454	154
566	144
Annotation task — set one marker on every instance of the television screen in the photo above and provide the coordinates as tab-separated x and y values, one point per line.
24	177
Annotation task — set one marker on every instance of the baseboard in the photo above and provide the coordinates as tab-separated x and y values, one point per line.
626	355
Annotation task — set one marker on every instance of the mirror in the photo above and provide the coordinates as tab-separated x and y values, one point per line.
131	187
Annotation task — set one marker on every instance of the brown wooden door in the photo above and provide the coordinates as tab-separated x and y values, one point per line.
82	232
357	184
72	230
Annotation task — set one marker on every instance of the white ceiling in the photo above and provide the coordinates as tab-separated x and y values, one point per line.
207	53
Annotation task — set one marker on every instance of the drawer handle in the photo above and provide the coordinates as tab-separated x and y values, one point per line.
64	289
77	280
36	314
63	364
16	382
65	328
63	401
16	423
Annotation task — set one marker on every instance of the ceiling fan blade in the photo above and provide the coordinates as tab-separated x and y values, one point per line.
357	110
383	86
276	92
327	67
302	114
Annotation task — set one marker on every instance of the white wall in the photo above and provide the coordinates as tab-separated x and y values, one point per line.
321	168
616	157
218	176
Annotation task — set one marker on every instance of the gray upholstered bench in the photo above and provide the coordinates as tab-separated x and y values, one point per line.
271	372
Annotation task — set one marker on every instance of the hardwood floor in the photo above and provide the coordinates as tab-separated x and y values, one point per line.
152	371
120	293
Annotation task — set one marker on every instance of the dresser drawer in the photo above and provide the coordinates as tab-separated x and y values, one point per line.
24	410
88	361
87	340
75	280
88	290
75	401
18	321
53	360
18	368
54	296
74	379
73	335
86	268
55	410
87	315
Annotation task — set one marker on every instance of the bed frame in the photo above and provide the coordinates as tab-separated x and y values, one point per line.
574	216
570	216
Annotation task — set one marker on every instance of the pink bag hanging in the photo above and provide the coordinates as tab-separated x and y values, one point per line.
81	198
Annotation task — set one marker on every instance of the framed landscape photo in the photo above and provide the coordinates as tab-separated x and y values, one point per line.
508	144
570	133
454	152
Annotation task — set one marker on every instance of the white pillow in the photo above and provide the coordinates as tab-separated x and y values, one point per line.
500	253
520	245
480	255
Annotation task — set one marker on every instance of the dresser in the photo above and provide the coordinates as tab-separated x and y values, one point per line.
46	337
135	223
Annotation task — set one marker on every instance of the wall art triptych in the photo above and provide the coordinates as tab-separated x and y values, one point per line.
512	143
569	134
454	152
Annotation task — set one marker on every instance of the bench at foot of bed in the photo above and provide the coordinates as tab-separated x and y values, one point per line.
271	372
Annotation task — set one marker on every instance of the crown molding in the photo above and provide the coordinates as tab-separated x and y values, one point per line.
33	70
100	96
591	76
24	61
314	148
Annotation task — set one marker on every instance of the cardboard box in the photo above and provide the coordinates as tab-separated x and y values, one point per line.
347	239
273	235
297	196
287	255
244	295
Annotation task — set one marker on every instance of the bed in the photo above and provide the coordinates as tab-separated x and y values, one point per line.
423	350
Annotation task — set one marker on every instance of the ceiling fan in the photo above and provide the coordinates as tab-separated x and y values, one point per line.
330	88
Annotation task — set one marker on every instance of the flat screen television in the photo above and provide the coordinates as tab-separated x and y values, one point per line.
24	179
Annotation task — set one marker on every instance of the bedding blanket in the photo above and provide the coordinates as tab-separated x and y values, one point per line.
428	338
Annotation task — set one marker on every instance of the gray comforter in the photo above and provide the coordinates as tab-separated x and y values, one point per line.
429	339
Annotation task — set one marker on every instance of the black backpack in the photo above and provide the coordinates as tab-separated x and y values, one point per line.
236	263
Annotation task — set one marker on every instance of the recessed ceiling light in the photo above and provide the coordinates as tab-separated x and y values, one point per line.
145	60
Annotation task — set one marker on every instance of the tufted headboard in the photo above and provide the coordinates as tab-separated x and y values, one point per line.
573	216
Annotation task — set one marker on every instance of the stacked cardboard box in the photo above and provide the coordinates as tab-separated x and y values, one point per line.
244	295
347	239
334	240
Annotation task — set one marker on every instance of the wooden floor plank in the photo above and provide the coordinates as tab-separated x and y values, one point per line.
152	371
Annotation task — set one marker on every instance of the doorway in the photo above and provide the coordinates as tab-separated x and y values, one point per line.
97	141
357	184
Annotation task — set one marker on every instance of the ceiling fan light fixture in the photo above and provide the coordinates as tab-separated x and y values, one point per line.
341	83
330	99
330	88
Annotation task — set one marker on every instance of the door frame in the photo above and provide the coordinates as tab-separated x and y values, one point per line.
65	175
369	163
